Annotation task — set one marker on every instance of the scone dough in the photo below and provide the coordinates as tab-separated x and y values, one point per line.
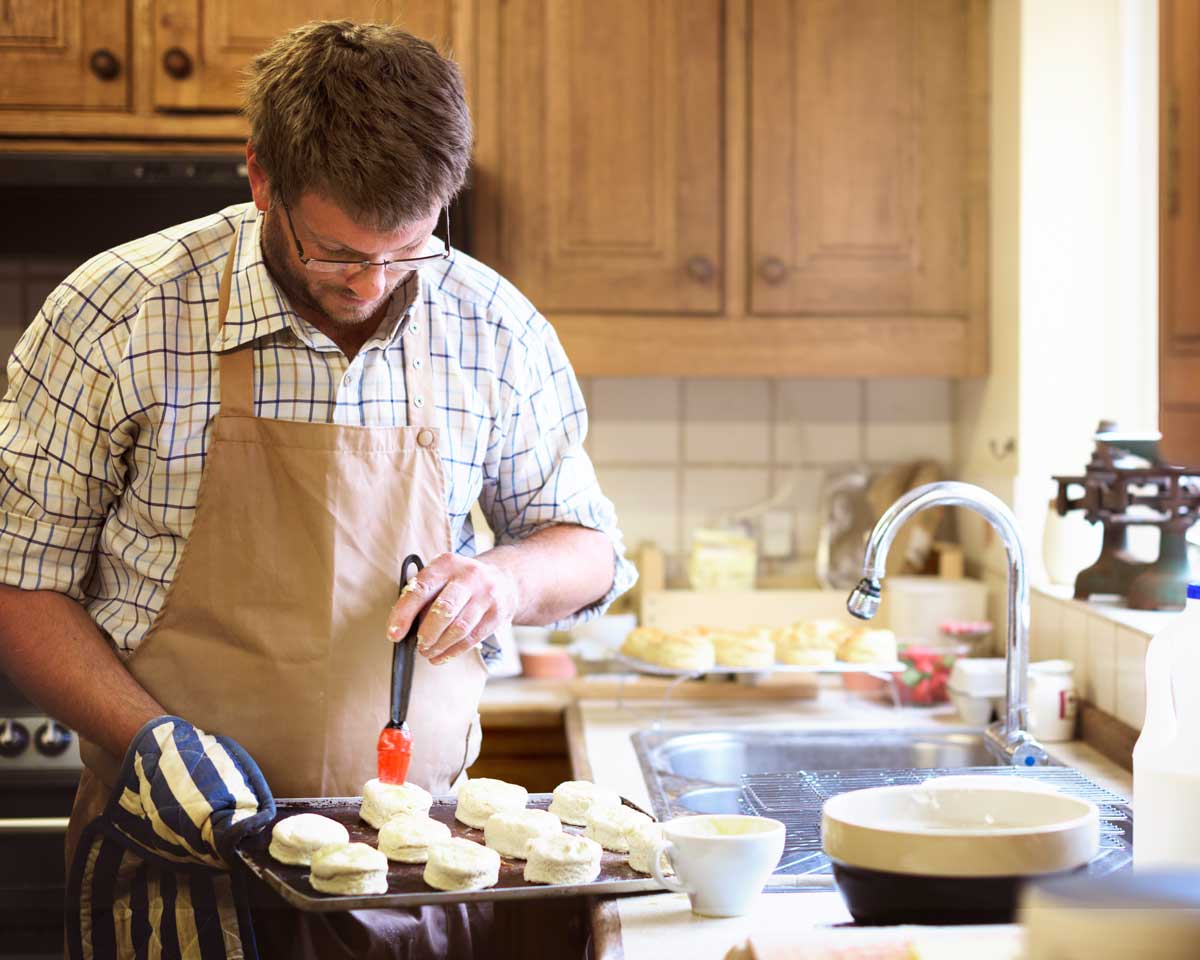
461	864
478	799
573	799
349	869
563	858
608	827
509	832
382	801
642	839
406	837
295	839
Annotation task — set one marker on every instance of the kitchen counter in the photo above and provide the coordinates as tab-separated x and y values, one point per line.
598	732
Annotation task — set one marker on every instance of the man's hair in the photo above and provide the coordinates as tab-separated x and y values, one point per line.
364	114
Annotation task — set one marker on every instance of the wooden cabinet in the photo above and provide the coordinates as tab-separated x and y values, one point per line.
803	193
64	53
202	47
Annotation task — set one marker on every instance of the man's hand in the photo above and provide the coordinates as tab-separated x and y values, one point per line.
457	602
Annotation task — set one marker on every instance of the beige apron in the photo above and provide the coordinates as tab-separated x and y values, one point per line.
273	631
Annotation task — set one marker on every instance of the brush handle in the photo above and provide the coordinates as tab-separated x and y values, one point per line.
404	653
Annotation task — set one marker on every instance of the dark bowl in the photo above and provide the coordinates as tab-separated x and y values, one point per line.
876	898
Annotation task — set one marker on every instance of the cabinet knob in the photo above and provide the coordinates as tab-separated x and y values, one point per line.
178	63
700	269
104	64
773	271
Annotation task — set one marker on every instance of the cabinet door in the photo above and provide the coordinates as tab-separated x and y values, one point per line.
859	157
64	53
602	189
202	47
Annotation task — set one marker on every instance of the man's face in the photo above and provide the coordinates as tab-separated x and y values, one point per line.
326	232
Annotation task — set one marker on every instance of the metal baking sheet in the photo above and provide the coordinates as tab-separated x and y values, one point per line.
405	886
839	666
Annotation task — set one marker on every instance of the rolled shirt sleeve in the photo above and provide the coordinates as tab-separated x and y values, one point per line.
60	471
537	473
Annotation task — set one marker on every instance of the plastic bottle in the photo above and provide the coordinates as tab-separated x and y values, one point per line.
1166	758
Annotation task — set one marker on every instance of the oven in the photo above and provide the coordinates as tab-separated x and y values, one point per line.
39	769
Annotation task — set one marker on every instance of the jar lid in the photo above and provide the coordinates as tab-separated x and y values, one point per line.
1194	591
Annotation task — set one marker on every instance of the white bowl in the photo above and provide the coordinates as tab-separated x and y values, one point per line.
955	832
976	711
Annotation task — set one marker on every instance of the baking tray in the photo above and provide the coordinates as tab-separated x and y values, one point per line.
405	886
839	666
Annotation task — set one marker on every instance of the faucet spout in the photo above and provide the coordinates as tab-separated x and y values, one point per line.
1009	735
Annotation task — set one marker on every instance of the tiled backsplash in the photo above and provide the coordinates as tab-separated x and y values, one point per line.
676	454
1106	643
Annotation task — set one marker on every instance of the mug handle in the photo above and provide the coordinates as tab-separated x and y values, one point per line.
671	883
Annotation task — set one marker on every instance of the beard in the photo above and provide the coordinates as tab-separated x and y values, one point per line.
310	295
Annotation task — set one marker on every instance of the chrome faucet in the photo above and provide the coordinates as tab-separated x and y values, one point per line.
1008	738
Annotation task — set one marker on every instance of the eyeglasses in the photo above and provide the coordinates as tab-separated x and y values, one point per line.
317	265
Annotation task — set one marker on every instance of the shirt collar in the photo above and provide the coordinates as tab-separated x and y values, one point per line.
259	308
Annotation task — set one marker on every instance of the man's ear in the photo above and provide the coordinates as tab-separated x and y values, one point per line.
260	185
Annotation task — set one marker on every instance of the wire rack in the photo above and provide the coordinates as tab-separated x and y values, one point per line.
796	800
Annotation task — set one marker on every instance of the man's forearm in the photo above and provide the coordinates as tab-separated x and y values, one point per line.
558	571
58	657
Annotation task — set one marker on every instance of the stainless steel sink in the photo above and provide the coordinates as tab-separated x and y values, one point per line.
699	771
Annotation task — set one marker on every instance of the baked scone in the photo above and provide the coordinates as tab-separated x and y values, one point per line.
689	650
563	858
508	832
349	869
461	864
295	839
869	646
478	799
572	799
743	648
407	837
639	640
382	801
608	827
810	642
642	839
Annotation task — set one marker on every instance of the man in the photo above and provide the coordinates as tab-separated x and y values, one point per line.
220	442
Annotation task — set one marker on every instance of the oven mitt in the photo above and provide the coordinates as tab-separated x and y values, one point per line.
152	872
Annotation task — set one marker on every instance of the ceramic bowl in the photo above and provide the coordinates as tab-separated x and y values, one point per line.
951	854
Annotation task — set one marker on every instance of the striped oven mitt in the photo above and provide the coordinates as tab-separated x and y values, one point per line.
151	875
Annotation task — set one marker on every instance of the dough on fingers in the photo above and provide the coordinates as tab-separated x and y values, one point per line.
295	839
461	864
349	869
478	799
407	837
572	799
509	832
609	827
563	858
382	801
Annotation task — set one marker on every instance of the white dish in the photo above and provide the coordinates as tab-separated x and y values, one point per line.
838	667
954	832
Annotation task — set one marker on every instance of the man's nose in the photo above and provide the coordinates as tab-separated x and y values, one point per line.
368	283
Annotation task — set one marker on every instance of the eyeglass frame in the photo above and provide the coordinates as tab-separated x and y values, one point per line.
346	266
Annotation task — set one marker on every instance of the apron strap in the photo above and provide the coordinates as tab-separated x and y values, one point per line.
237	365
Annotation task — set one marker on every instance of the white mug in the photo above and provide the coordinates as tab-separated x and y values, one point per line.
721	860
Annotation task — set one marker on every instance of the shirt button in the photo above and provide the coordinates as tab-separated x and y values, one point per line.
425	438
414	327
348	379
418	401
418	363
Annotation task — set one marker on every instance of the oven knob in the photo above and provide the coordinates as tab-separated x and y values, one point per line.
14	738
52	739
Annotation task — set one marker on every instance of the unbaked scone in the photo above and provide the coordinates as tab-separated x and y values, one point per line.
564	858
295	839
572	799
642	839
743	648
382	801
608	827
508	832
869	646
349	869
478	799
461	864
407	837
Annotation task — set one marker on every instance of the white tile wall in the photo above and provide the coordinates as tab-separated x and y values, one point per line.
634	421
1131	676
712	494
909	418
1101	687
648	503
819	421
727	421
